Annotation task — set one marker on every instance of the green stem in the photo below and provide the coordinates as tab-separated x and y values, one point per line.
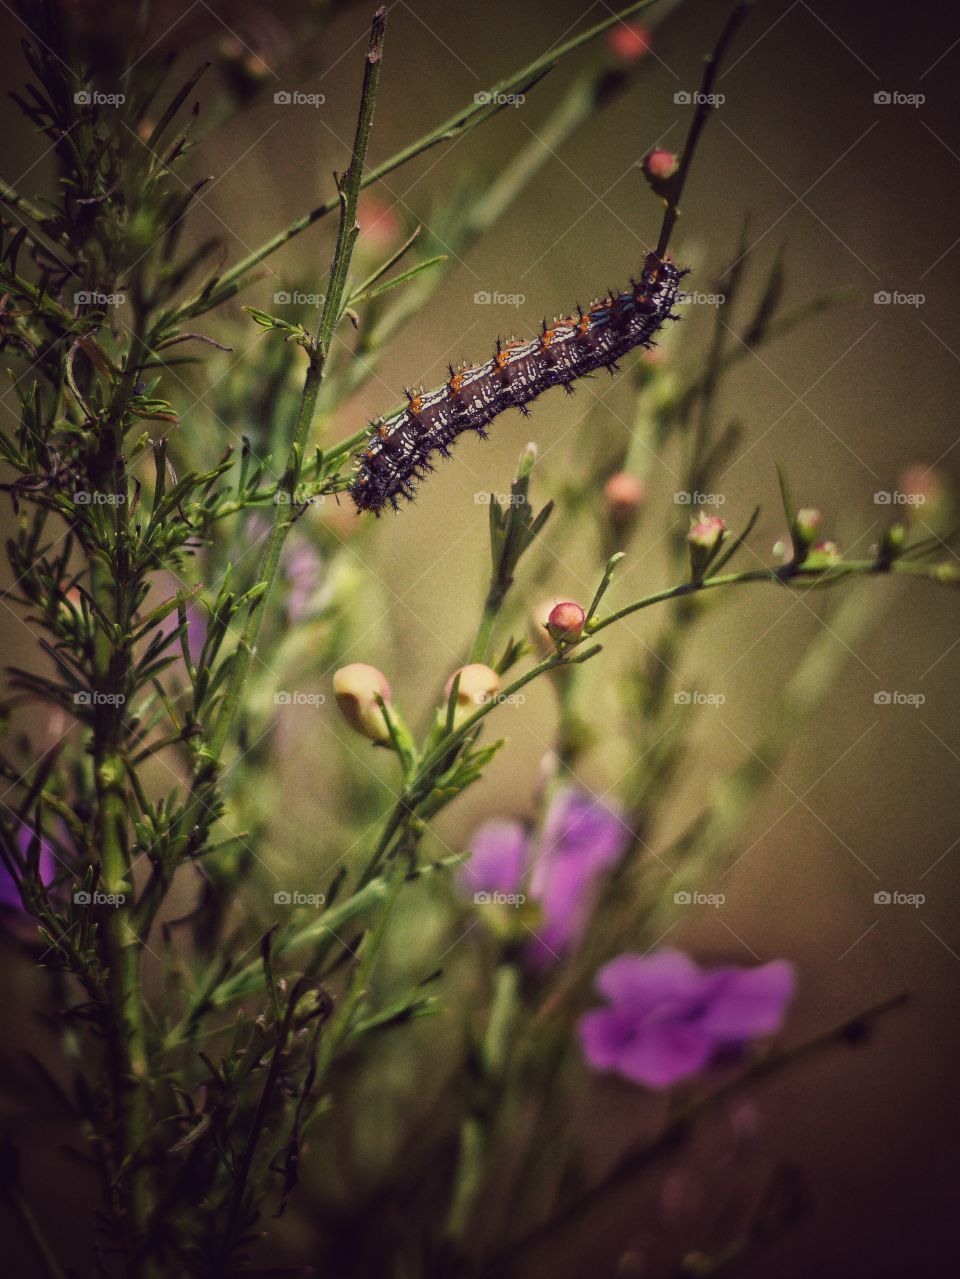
484	107
711	67
284	512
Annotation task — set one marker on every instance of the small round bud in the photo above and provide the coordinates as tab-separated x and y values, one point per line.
623	495
660	168
565	622
660	165
478	685
703	543
808	522
823	555
356	688
706	532
630	41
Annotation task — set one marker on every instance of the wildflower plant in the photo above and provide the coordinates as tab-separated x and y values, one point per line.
182	587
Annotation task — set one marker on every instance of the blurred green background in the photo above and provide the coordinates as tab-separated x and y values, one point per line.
863	195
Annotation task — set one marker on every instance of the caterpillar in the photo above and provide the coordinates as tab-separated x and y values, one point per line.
400	447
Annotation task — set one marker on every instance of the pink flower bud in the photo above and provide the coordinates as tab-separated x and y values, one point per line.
703	541
630	41
808	522
660	166
356	688
623	495
478	685
565	622
823	555
706	532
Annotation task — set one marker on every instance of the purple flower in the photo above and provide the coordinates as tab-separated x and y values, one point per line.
196	621
667	1018
9	893
582	837
302	568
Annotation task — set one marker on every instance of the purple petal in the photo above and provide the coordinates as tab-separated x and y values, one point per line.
9	893
748	1002
499	858
580	825
663	1053
565	888
581	838
641	984
604	1033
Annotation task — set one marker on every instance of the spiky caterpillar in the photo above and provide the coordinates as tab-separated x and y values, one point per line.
400	447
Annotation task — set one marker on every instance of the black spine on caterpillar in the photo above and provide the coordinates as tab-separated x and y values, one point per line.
399	449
